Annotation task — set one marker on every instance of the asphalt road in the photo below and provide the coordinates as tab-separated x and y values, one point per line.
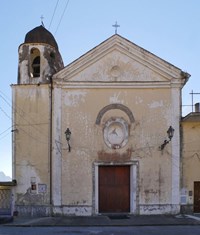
136	230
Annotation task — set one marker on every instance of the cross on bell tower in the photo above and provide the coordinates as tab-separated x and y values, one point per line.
116	26
42	18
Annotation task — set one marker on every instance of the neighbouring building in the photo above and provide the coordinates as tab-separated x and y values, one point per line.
100	135
190	180
6	198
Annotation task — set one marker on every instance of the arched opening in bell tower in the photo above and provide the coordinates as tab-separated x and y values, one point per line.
35	63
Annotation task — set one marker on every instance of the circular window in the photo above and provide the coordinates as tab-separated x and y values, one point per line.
116	133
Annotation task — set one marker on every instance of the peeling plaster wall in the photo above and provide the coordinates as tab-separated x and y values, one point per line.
31	149
152	112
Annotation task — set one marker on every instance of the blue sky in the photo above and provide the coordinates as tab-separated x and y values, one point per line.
167	28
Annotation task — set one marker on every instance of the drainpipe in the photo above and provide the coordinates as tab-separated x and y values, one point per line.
51	139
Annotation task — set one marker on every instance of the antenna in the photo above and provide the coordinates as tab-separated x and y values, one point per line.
192	94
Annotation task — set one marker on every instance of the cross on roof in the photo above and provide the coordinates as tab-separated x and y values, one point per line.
42	17
116	26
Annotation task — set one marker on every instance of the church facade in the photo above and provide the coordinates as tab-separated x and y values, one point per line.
100	135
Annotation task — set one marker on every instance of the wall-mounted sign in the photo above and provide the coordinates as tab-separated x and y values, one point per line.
42	188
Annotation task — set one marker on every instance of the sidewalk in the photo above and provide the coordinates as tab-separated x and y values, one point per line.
150	220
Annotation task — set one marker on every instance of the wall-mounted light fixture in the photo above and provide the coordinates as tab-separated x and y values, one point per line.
68	136
170	133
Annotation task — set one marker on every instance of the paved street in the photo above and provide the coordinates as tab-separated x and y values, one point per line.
103	225
130	230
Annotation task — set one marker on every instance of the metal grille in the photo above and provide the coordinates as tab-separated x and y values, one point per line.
5	201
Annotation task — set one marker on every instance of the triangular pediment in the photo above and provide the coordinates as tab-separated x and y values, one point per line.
119	60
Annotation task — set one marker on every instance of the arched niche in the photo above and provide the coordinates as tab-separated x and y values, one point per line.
114	106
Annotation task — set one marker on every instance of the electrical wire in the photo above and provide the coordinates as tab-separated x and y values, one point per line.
4	136
21	116
6	130
20	112
4	112
40	141
5	99
55	8
61	16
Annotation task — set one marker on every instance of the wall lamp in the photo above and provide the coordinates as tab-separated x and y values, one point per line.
170	133
68	136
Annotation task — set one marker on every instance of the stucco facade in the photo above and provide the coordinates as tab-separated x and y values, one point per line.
31	144
118	100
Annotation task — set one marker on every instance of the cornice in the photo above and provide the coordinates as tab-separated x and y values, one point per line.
116	85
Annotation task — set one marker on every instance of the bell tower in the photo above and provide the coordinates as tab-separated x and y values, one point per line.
39	57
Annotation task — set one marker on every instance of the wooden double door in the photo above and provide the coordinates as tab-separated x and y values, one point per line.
197	197
114	189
